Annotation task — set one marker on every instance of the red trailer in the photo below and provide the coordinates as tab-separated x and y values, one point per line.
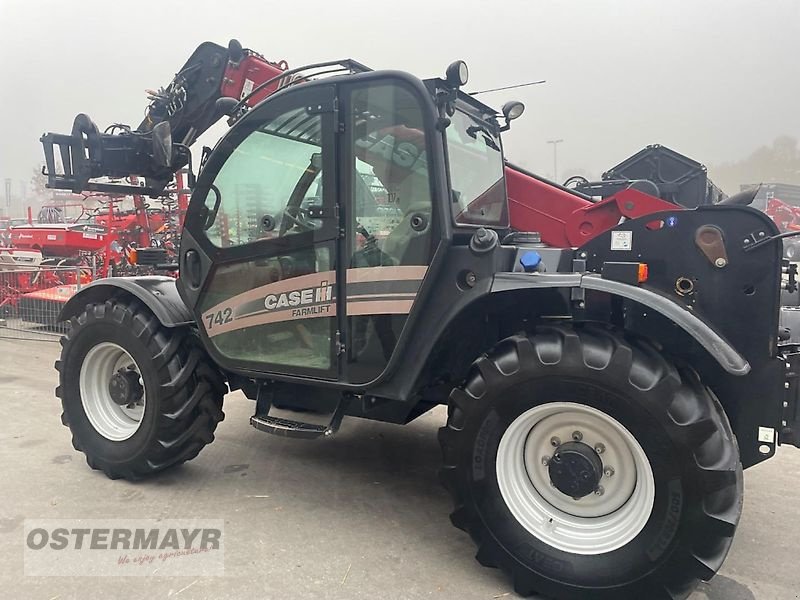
59	239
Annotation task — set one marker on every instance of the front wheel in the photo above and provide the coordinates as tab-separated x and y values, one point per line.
137	397
588	466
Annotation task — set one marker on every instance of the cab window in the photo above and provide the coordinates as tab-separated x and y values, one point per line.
270	185
476	172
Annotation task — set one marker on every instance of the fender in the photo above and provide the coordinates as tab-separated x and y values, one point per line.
717	346
159	294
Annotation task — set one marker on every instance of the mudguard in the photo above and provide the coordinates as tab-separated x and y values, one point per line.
717	346
159	294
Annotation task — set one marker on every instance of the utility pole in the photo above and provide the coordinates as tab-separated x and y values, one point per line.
8	196
555	157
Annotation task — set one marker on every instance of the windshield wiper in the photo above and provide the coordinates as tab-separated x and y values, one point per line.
472	131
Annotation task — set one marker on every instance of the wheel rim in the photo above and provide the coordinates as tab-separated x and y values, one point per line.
604	520
111	420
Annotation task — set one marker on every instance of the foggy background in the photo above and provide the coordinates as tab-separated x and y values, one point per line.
716	80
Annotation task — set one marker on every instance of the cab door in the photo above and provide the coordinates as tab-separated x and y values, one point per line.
391	225
258	253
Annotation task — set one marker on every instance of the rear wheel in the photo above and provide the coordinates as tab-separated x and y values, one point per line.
588	466
137	397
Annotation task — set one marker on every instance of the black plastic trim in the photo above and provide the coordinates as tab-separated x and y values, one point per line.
159	294
725	354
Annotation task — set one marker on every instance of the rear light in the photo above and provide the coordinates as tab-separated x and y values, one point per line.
643	272
632	273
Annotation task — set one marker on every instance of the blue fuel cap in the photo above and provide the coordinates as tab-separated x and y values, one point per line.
530	261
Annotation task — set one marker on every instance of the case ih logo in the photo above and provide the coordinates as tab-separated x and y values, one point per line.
370	291
304	297
287	79
301	300
394	153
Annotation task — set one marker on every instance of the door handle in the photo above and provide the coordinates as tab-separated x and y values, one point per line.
191	269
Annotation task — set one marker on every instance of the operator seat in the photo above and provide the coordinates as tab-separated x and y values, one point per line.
409	242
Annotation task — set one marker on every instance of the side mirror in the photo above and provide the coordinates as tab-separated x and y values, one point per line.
225	106
162	144
235	51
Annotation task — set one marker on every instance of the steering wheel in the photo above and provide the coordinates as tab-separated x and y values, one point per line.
295	216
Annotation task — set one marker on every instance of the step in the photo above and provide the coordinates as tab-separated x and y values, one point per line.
289	428
263	421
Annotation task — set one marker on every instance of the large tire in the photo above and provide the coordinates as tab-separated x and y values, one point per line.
179	407
686	450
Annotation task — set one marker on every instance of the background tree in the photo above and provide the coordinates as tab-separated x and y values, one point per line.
778	163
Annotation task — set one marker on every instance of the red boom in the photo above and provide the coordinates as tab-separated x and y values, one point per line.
564	219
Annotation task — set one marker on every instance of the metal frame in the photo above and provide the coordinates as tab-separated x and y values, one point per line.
346	66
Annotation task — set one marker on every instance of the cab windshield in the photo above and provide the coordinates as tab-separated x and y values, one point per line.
476	172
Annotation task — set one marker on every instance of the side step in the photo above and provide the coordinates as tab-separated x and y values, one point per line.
289	428
297	429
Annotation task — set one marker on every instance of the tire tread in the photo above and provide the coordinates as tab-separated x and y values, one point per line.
701	420
190	388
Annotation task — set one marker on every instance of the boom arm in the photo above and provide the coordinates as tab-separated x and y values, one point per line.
217	81
177	115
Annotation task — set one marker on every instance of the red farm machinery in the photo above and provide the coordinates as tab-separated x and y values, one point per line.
46	260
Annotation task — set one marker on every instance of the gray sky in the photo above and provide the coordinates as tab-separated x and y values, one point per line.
713	79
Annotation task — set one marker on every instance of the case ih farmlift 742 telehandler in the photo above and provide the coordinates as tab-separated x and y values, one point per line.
353	246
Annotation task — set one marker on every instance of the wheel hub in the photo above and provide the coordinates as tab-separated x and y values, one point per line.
113	395
124	387
551	498
575	469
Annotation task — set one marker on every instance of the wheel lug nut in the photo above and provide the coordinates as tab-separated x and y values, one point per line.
577	436
545	460
599	448
599	491
555	442
608	471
